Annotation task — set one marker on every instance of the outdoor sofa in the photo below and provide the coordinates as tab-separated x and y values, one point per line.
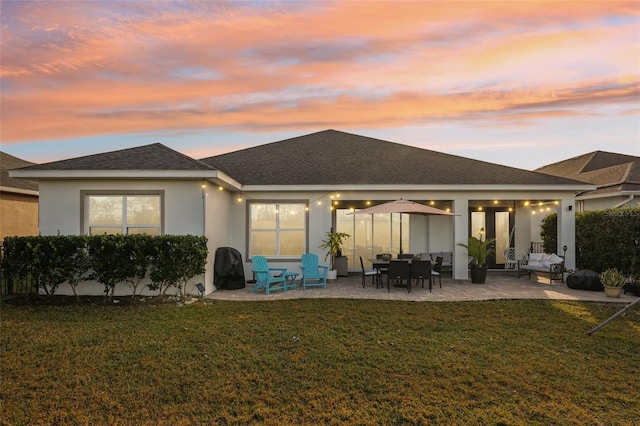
543	263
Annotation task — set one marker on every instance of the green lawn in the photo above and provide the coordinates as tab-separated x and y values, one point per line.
320	362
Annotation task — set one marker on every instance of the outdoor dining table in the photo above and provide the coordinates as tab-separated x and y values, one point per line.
384	264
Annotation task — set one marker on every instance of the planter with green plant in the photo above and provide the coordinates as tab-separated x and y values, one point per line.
612	280
332	246
632	285
478	251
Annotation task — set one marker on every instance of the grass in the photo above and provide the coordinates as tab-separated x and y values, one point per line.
320	362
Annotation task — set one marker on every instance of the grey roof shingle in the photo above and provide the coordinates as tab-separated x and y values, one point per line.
8	162
611	172
147	157
338	158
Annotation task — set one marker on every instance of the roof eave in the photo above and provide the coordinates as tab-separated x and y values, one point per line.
113	174
19	190
401	187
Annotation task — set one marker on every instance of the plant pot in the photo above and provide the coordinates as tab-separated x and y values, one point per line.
632	288
613	291
332	275
478	274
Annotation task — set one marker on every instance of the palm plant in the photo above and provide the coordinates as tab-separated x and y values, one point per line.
478	250
332	244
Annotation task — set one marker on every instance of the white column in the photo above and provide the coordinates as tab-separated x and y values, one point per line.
460	235
567	230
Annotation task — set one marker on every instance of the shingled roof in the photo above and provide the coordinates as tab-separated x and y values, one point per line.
338	158
147	157
8	162
611	172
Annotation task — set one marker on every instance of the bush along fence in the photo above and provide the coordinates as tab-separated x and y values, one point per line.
608	238
40	264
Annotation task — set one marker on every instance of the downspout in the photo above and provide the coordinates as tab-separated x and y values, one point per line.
622	203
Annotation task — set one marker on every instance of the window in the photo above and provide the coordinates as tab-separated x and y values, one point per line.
123	214
277	230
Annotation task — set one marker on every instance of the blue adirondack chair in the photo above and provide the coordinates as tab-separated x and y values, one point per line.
268	278
312	273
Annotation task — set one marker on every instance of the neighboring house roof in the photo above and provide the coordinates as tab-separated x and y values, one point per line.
614	174
7	183
152	160
338	158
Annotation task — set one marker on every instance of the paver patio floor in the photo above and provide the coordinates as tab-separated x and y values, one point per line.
499	285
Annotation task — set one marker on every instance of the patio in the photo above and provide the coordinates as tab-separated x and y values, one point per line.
499	285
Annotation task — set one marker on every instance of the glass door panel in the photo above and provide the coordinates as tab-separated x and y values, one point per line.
502	235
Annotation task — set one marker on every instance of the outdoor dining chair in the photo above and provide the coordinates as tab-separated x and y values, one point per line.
399	271
373	273
383	256
405	256
421	270
437	270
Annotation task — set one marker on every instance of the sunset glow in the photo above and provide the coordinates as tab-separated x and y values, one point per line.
496	81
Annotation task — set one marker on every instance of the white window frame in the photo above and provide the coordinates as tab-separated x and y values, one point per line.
277	204
86	205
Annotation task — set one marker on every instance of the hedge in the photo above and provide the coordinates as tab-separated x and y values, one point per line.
42	263
609	238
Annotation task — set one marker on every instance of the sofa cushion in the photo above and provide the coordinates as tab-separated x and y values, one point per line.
536	259
552	259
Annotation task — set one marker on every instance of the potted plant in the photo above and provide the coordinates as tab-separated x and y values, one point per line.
632	285
612	280
332	245
478	251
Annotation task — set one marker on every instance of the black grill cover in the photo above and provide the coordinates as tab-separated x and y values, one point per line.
228	270
585	280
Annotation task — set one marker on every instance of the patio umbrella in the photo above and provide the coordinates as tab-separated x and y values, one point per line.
404	207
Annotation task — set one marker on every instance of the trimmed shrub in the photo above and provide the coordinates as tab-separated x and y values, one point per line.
609	238
48	261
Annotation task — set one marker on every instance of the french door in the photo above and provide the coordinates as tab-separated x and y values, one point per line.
493	223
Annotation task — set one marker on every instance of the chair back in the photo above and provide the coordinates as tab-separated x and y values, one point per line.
362	264
420	269
438	266
405	255
399	270
310	266
260	267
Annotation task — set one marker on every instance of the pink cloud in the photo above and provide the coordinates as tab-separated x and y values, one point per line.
75	69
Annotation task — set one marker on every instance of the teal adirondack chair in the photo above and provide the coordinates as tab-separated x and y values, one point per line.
312	273
268	278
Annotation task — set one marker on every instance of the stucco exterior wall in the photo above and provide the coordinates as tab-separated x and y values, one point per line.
18	215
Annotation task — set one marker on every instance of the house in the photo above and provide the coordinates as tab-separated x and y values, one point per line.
617	177
18	200
280	199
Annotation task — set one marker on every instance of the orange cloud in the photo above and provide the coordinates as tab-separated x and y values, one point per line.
74	69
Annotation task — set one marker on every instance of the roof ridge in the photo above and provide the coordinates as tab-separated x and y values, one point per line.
195	160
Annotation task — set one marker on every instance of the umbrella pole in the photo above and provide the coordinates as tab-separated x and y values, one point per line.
401	233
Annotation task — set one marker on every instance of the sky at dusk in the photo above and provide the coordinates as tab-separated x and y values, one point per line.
519	83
